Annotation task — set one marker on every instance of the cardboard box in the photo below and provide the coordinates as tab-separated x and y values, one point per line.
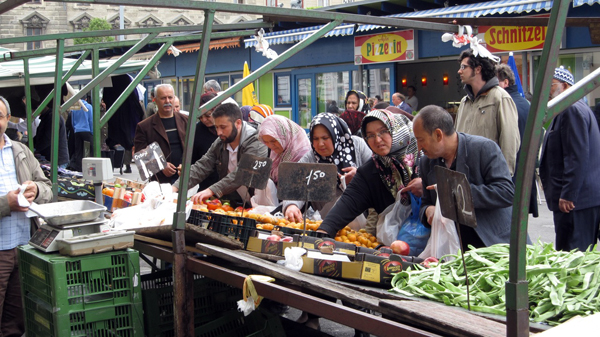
330	267
381	251
379	268
317	243
258	242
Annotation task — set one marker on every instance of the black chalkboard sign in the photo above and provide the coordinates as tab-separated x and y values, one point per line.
150	160
253	171
456	201
308	182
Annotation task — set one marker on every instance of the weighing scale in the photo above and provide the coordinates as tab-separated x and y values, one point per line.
45	238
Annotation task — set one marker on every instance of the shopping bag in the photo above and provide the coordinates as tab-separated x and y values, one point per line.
443	239
413	231
390	220
266	197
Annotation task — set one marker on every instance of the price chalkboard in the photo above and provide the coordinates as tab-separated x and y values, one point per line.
454	192
253	171
150	161
308	182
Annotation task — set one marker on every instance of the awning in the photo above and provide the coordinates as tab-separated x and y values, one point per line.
42	70
295	35
481	9
231	42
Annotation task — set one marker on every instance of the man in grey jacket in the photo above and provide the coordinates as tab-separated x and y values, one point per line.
236	138
19	168
481	160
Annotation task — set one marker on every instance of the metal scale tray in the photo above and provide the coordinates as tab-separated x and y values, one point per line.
63	213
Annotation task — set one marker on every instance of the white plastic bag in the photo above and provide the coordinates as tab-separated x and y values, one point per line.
390	220
443	239
266	197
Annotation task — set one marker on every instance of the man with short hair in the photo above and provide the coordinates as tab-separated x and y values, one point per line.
487	110
506	81
177	107
412	100
211	86
19	168
399	101
151	108
569	170
236	138
168	129
481	160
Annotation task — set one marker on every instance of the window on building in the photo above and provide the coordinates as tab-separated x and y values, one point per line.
323	3
35	2
282	90
35	44
379	83
331	90
239	1
271	3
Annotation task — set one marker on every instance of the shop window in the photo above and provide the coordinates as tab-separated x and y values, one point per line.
356	85
379	83
282	90
331	91
305	102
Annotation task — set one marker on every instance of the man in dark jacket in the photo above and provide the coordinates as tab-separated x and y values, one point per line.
506	81
205	136
43	138
569	169
481	160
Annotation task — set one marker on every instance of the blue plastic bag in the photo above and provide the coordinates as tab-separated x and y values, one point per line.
413	231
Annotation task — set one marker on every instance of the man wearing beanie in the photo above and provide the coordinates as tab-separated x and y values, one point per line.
569	170
487	110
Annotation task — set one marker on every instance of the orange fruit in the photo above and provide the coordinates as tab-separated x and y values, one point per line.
347	241
352	237
343	237
342	232
357	243
268	226
337	238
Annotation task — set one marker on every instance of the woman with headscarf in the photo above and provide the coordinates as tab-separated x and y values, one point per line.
332	143
357	100
393	169
354	120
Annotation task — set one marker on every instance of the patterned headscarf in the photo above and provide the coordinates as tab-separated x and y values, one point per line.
354	119
290	136
343	146
398	167
362	100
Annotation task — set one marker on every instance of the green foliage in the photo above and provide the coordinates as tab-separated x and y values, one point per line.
95	24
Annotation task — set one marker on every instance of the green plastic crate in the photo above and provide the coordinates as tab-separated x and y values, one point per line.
122	321
211	299
235	324
74	284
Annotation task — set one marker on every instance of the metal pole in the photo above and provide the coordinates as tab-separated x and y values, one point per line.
96	106
28	104
60	45
121	22
517	299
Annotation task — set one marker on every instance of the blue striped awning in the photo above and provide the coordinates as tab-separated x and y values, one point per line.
481	9
295	35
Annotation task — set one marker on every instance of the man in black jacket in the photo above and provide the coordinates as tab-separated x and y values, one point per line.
506	81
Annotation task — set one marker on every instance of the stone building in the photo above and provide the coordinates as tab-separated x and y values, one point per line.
40	17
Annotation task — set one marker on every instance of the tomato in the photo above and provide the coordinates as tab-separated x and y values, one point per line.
227	208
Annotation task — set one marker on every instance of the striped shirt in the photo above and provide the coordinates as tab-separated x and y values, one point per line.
14	229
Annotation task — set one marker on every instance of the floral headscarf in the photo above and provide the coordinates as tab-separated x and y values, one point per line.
343	146
290	136
402	163
354	119
363	105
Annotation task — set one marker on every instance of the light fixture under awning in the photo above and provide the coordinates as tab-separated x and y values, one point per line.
231	42
295	35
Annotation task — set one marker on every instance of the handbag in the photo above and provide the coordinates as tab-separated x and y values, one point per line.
413	231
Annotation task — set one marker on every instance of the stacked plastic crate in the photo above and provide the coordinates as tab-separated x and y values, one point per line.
93	295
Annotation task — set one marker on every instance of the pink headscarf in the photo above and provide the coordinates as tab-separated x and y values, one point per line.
290	136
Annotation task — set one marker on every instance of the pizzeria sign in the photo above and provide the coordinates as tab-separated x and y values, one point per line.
385	47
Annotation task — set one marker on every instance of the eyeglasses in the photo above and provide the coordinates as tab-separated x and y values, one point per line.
379	134
464	66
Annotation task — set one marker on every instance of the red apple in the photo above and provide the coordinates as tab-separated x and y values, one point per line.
400	247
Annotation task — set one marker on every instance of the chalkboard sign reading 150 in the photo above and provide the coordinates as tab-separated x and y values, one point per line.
308	182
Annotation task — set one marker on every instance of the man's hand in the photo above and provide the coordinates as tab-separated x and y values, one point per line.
175	188
199	197
13	202
565	206
179	169
293	214
414	186
429	212
350	173
31	191
170	170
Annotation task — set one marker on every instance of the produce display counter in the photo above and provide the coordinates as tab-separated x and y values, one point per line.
400	314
